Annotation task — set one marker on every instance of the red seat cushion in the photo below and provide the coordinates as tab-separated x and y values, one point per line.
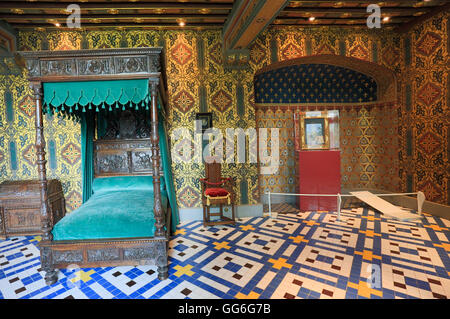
215	192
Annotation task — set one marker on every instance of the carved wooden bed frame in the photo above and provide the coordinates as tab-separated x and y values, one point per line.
105	64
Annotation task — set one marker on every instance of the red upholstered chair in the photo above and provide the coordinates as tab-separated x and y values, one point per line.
216	191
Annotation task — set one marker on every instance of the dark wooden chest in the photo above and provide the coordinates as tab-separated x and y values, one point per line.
20	204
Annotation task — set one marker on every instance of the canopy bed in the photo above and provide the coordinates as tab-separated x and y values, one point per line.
129	205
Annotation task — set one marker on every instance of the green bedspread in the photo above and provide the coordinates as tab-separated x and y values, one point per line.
120	207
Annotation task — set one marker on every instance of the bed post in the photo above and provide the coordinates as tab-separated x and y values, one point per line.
156	159
161	259
46	262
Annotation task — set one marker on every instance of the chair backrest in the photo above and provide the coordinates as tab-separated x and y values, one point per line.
213	171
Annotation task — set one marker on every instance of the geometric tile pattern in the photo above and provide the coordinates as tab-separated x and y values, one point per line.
296	255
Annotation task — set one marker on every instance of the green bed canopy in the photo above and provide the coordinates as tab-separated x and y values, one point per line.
83	100
73	99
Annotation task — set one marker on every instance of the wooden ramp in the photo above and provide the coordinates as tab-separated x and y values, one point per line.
385	207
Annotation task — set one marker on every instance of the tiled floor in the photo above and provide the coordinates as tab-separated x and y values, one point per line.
296	255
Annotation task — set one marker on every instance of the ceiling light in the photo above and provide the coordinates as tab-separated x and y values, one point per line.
312	19
181	22
295	4
17	11
386	19
57	24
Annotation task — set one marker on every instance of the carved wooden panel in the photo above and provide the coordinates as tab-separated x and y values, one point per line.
136	64
95	66
58	67
128	124
123	157
139	253
112	163
142	161
93	62
103	254
70	256
22	218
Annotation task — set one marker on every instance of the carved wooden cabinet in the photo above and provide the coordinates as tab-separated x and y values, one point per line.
20	205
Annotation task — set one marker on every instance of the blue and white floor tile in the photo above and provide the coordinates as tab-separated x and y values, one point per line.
295	255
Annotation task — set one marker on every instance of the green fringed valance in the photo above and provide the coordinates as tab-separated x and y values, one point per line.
72	99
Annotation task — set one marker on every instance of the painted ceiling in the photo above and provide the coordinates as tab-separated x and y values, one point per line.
99	14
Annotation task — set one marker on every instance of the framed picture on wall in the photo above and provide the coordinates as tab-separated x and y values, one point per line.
315	133
203	121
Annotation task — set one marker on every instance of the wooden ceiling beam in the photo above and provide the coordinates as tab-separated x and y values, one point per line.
10	17
247	20
24	26
408	26
318	10
114	5
333	21
403	2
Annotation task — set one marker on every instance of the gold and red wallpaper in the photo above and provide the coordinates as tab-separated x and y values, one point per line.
424	117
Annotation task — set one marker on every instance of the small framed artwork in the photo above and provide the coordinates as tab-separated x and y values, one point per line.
203	121
315	133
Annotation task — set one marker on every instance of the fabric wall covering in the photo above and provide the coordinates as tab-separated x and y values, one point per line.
314	83
424	126
199	82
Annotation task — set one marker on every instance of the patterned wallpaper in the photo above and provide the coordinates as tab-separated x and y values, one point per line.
424	118
17	137
198	81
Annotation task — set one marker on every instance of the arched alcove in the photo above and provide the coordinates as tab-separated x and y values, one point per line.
365	95
374	74
314	83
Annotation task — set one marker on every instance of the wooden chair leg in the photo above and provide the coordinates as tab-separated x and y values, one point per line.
204	213
221	211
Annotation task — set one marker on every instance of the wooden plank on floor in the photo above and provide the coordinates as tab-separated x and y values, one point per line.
384	207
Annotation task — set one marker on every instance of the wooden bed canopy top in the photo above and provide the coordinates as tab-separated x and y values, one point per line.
100	65
91	65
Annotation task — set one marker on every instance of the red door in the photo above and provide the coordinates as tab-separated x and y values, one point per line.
319	173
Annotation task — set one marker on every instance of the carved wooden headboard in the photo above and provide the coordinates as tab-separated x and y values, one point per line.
123	157
125	147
